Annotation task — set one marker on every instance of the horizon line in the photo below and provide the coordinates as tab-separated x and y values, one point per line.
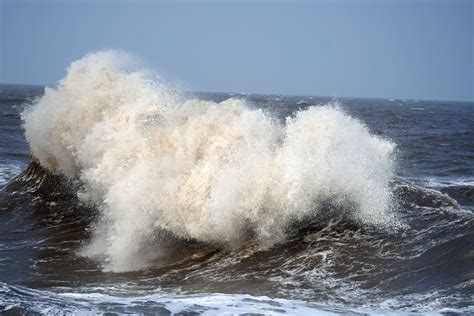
280	94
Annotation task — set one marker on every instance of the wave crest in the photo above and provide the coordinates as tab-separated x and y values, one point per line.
152	161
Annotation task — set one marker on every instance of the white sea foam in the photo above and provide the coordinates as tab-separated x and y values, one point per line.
152	161
97	301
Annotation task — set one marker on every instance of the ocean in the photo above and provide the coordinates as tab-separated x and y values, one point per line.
121	195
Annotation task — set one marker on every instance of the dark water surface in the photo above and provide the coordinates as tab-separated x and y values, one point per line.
328	265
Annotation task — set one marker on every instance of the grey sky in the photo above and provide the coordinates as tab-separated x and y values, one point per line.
406	49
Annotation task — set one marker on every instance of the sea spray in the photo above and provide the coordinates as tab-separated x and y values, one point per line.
152	161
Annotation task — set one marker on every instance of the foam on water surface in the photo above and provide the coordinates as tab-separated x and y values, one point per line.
85	303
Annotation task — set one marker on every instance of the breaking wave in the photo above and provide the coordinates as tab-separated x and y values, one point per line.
156	163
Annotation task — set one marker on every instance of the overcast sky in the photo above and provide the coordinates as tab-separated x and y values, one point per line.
391	49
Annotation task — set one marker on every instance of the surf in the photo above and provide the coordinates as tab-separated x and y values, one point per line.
154	162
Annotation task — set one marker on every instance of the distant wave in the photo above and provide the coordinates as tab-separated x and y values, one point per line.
154	162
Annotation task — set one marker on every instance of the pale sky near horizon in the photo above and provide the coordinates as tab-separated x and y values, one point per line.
418	49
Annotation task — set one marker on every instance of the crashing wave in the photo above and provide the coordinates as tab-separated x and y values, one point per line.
152	161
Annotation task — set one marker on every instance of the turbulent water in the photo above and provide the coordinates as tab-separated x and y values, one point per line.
123	195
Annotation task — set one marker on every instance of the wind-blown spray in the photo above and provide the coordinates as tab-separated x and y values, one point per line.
152	161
